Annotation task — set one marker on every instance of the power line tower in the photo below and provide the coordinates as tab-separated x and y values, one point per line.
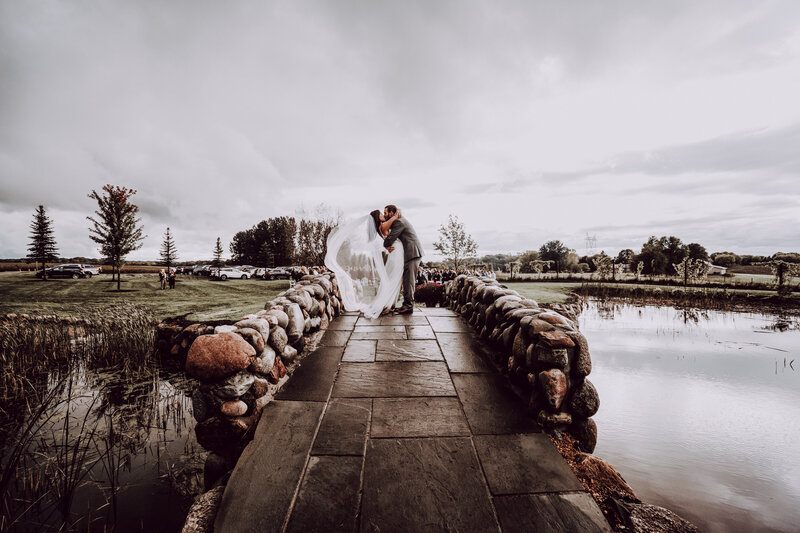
591	244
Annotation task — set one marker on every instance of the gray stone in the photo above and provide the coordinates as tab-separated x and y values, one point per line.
391	379
296	322
418	417
234	386
289	354
202	512
233	408
552	357
585	432
214	468
343	430
552	420
553	384
278	339
263	363
585	401
252	336
583	361
224	329
259	324
550	513
280	316
646	518
201	406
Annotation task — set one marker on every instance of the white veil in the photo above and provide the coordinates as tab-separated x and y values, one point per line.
356	254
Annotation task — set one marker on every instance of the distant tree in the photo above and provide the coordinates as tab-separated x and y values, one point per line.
116	229
725	259
696	251
658	254
312	237
454	243
691	270
526	260
217	262
43	245
625	256
789	257
555	252
604	265
169	253
784	272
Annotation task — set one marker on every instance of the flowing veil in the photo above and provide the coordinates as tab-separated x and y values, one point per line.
369	279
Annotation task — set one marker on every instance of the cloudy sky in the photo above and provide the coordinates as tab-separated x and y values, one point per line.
529	120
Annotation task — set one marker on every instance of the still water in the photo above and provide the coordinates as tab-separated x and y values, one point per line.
113	451
700	411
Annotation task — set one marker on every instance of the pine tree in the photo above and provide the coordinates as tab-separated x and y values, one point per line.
169	253
43	244
117	229
217	254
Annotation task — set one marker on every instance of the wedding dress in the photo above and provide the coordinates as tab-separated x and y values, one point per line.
369	280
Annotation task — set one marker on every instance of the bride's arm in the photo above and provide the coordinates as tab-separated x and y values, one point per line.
388	224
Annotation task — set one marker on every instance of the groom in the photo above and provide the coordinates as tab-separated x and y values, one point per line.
412	248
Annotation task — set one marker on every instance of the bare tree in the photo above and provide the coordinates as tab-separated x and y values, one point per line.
454	243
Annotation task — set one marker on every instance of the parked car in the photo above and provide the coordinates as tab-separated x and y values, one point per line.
65	271
205	270
259	273
93	270
278	273
246	268
229	272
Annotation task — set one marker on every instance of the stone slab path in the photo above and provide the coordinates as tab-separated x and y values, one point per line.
398	424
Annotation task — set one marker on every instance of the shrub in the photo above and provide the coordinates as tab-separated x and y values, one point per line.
430	294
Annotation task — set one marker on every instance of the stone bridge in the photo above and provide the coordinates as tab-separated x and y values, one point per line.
401	424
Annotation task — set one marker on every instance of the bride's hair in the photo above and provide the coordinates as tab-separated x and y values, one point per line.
376	217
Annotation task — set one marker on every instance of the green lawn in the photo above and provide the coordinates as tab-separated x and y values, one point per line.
545	292
199	298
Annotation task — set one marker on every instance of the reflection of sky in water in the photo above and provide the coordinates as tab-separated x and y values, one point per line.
700	412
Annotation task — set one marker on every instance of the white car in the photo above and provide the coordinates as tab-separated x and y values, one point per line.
229	272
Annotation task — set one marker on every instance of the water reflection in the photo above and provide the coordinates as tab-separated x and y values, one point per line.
699	410
110	450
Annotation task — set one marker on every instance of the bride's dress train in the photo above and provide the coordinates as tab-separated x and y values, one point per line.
356	254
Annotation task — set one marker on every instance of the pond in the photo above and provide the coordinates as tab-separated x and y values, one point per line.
700	411
114	450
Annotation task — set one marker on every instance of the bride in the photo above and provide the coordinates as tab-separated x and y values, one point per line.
369	276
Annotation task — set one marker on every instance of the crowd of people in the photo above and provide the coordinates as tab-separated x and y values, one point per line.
441	275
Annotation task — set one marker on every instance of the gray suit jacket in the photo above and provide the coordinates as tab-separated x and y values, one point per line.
403	230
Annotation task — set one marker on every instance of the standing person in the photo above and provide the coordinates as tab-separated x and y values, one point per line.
162	279
171	278
412	254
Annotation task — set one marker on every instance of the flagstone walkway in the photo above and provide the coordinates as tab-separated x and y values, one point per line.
399	424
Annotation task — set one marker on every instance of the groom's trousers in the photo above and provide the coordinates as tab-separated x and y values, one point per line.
410	280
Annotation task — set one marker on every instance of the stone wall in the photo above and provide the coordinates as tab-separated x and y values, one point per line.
546	356
240	365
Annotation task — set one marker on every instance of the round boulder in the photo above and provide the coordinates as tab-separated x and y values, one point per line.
214	357
585	401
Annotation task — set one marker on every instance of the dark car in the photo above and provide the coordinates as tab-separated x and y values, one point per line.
65	271
277	273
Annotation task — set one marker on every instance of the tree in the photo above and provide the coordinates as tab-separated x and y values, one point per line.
169	253
696	251
625	256
43	244
312	238
659	253
691	270
217	262
556	252
454	243
116	229
604	265
526	261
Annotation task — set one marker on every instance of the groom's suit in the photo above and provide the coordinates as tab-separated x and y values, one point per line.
412	250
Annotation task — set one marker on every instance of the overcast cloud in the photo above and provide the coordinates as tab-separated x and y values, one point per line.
529	120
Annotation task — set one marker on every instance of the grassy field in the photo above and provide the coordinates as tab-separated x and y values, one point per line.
196	298
545	292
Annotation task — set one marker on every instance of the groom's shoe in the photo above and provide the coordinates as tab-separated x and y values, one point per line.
405	310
